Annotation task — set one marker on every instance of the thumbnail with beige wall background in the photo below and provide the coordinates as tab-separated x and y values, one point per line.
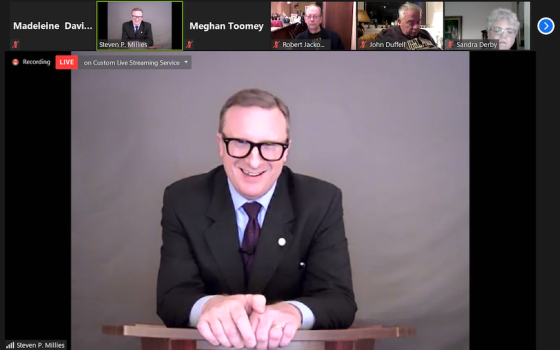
471	18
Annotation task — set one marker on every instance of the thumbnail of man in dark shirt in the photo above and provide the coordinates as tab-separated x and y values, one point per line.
408	31
315	31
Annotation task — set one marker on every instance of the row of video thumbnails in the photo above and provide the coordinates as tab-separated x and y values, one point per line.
402	26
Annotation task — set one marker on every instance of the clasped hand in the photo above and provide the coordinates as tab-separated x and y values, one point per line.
245	321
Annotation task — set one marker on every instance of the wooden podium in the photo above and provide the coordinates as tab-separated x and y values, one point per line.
155	337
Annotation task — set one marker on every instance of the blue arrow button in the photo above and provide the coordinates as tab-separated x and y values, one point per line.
545	25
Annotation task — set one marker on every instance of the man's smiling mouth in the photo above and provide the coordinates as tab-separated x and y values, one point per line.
251	174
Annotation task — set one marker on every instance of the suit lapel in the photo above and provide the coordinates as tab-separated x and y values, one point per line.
222	236
276	228
131	29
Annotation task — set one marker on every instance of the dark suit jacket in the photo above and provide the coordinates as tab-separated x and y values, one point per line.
200	253
144	32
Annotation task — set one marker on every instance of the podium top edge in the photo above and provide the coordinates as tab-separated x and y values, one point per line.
350	334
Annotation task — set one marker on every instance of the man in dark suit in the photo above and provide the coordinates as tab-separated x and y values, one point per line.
252	251
137	29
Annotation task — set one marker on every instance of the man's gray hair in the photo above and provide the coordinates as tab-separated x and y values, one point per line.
501	14
317	6
409	6
137	9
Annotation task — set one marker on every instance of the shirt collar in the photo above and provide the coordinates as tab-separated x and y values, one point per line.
239	200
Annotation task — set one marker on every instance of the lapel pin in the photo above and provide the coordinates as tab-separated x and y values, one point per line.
301	265
281	242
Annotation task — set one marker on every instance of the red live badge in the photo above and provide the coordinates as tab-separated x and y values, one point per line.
67	62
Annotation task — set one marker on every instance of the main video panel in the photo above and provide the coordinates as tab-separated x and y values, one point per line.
394	137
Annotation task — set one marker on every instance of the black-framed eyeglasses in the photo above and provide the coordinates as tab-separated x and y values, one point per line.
137	17
269	151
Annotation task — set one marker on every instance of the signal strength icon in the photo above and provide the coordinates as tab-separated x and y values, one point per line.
12	345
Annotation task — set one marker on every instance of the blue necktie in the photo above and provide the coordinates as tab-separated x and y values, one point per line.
135	32
251	237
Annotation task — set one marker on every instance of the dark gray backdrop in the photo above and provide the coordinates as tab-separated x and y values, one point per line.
158	14
390	128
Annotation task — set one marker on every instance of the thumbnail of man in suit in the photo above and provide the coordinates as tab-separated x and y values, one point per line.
253	251
315	31
137	28
408	32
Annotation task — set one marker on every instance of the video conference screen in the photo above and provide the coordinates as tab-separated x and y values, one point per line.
423	115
